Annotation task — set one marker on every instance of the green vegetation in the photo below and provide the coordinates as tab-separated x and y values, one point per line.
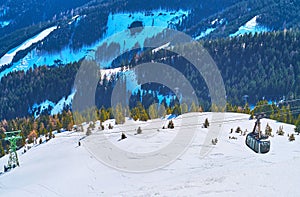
268	130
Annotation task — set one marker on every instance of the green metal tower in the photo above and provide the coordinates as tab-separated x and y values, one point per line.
13	137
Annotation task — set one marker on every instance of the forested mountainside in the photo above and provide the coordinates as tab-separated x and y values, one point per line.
224	17
260	66
264	65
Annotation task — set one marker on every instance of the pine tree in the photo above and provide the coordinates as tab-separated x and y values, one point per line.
120	118
297	128
238	130
2	153
153	113
193	107
78	118
289	115
171	124
214	107
139	112
161	111
169	110
184	108
176	110
268	130
291	138
280	131
103	115
42	129
247	108
206	123
88	132
139	130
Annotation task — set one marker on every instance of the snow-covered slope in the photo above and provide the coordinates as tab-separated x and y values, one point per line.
62	168
116	23
56	108
250	27
8	57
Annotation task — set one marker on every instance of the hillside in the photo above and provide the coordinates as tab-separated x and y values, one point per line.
62	168
263	65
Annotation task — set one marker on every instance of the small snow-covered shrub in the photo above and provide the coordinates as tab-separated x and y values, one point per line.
280	131
238	130
206	123
171	125
291	137
139	130
88	132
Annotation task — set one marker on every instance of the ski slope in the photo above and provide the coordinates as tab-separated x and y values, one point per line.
62	168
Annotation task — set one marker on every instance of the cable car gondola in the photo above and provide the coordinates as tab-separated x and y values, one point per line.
256	141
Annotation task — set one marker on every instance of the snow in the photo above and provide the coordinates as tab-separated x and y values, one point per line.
8	57
43	106
57	108
62	168
205	33
159	18
4	23
161	47
250	27
74	18
117	22
109	72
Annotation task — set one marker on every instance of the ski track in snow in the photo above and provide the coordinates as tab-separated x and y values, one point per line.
62	168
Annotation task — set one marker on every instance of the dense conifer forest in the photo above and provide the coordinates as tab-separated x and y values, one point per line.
263	66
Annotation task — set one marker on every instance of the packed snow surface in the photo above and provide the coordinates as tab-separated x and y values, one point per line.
62	168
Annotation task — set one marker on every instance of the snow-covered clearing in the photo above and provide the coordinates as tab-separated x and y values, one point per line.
57	108
8	57
250	27
116	23
62	168
205	33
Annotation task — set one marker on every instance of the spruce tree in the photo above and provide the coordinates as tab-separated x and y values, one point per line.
161	111
2	153
297	128
184	108
120	118
291	138
153	113
193	107
206	123
268	130
139	130
280	131
176	110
